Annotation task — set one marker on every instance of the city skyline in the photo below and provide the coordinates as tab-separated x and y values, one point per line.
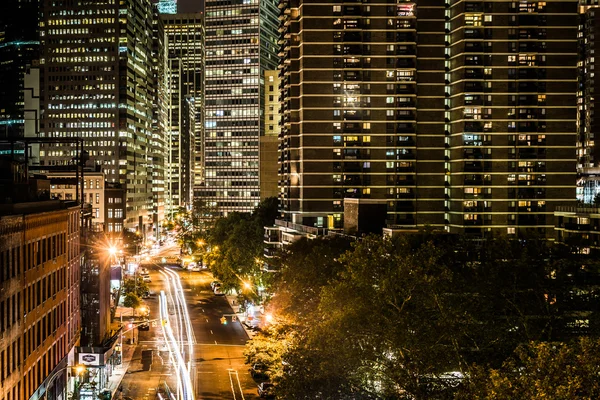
175	183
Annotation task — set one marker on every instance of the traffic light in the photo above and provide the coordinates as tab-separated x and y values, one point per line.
233	318
223	320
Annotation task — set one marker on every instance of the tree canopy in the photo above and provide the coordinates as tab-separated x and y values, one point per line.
422	316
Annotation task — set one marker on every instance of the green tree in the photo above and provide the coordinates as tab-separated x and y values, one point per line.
236	244
305	268
131	300
541	370
136	286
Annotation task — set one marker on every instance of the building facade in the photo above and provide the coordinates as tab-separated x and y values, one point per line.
511	118
588	161
461	117
98	84
160	118
351	123
269	142
185	57
241	38
19	50
105	199
39	304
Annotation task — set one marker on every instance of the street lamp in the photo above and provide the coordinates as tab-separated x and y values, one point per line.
79	369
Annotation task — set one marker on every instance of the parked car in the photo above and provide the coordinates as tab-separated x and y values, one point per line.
259	371
194	268
144	271
217	291
146	278
266	390
214	283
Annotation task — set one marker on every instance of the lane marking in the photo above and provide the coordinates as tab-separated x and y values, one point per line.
211	332
237	376
216	342
231	383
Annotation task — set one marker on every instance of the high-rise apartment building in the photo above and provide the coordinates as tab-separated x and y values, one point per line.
588	159
459	116
98	84
19	50
167	6
185	58
241	37
352	126
511	78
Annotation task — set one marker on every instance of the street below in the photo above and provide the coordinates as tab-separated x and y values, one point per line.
198	344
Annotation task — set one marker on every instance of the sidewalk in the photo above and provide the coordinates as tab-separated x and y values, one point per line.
119	372
127	353
233	303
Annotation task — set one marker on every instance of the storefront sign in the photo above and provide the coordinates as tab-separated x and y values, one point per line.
89	358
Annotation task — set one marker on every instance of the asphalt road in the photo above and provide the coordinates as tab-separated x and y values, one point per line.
217	368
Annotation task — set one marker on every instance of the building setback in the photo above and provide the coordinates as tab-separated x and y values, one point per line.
241	37
98	84
185	58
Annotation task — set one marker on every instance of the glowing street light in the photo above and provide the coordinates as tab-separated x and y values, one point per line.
79	369
112	250
247	285
269	318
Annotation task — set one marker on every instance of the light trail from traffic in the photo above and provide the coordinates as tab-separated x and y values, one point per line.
175	350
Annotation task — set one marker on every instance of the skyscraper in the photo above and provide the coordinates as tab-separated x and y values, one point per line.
241	37
185	58
459	117
19	50
98	83
160	118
